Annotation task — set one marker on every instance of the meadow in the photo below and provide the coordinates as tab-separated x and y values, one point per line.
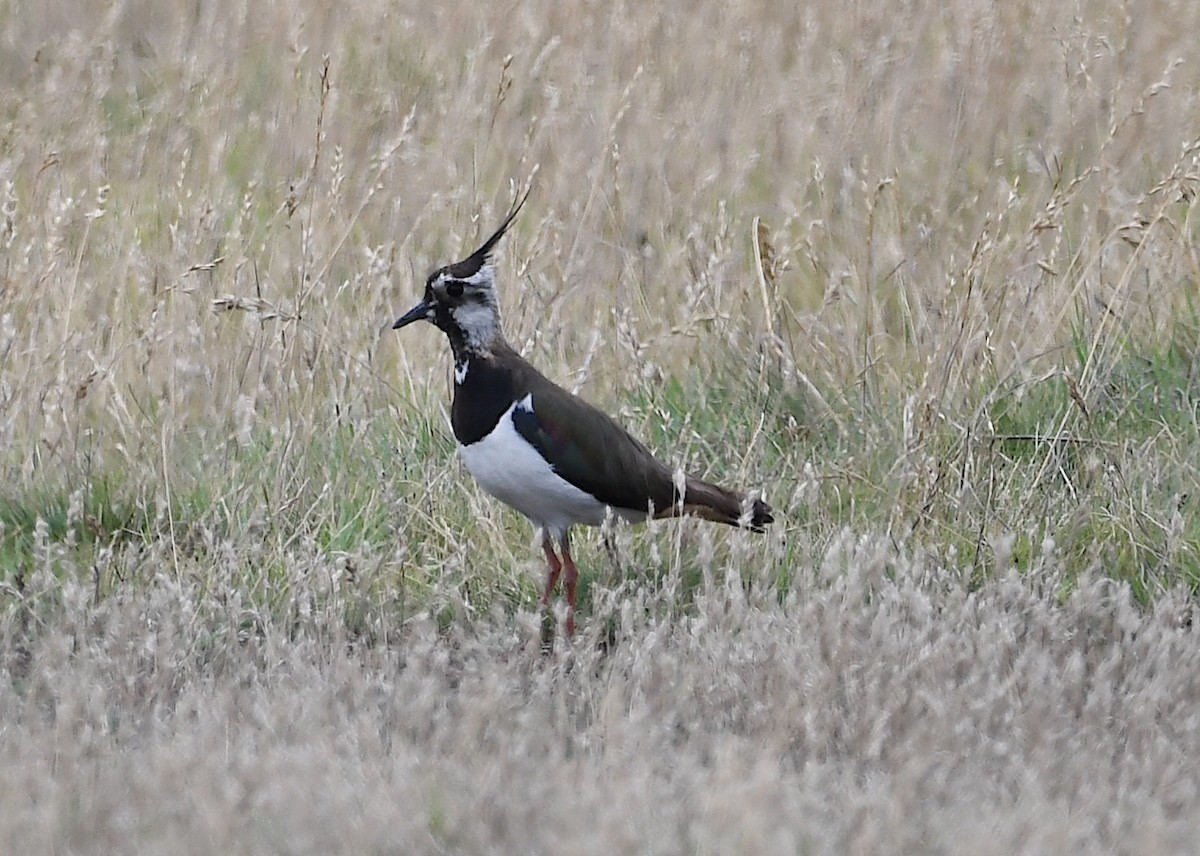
926	275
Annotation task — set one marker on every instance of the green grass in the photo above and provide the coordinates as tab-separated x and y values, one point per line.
1105	483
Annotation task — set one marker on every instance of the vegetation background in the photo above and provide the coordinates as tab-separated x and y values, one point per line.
924	273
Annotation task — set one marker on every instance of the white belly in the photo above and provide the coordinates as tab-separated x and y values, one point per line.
510	469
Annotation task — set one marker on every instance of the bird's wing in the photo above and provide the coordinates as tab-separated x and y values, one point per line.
592	452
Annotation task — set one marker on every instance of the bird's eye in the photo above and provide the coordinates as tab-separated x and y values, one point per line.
454	289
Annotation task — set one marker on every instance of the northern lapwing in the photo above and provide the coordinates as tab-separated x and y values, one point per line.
540	449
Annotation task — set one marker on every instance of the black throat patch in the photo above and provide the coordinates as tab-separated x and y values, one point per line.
486	391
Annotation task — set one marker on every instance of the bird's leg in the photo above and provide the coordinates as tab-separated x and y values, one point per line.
555	568
570	578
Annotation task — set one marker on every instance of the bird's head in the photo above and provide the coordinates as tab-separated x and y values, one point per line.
460	299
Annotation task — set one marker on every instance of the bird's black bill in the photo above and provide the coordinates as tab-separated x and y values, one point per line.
420	312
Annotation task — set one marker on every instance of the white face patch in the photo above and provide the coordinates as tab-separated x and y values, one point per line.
485	274
460	372
480	323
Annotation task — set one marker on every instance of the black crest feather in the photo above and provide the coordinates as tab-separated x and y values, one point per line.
471	265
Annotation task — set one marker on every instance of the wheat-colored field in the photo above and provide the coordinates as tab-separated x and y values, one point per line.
927	275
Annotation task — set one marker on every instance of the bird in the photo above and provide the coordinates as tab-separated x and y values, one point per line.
542	450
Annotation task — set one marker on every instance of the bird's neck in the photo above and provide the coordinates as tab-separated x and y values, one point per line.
473	330
469	345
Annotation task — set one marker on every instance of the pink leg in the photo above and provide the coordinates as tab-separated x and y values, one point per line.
570	578
555	568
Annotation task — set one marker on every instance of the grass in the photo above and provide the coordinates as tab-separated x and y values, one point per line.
923	274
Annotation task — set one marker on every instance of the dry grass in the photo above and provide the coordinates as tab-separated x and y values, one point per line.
923	272
872	711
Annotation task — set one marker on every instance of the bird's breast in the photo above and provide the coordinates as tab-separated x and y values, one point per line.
510	469
483	392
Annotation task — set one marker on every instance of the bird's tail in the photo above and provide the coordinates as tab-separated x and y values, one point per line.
706	500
